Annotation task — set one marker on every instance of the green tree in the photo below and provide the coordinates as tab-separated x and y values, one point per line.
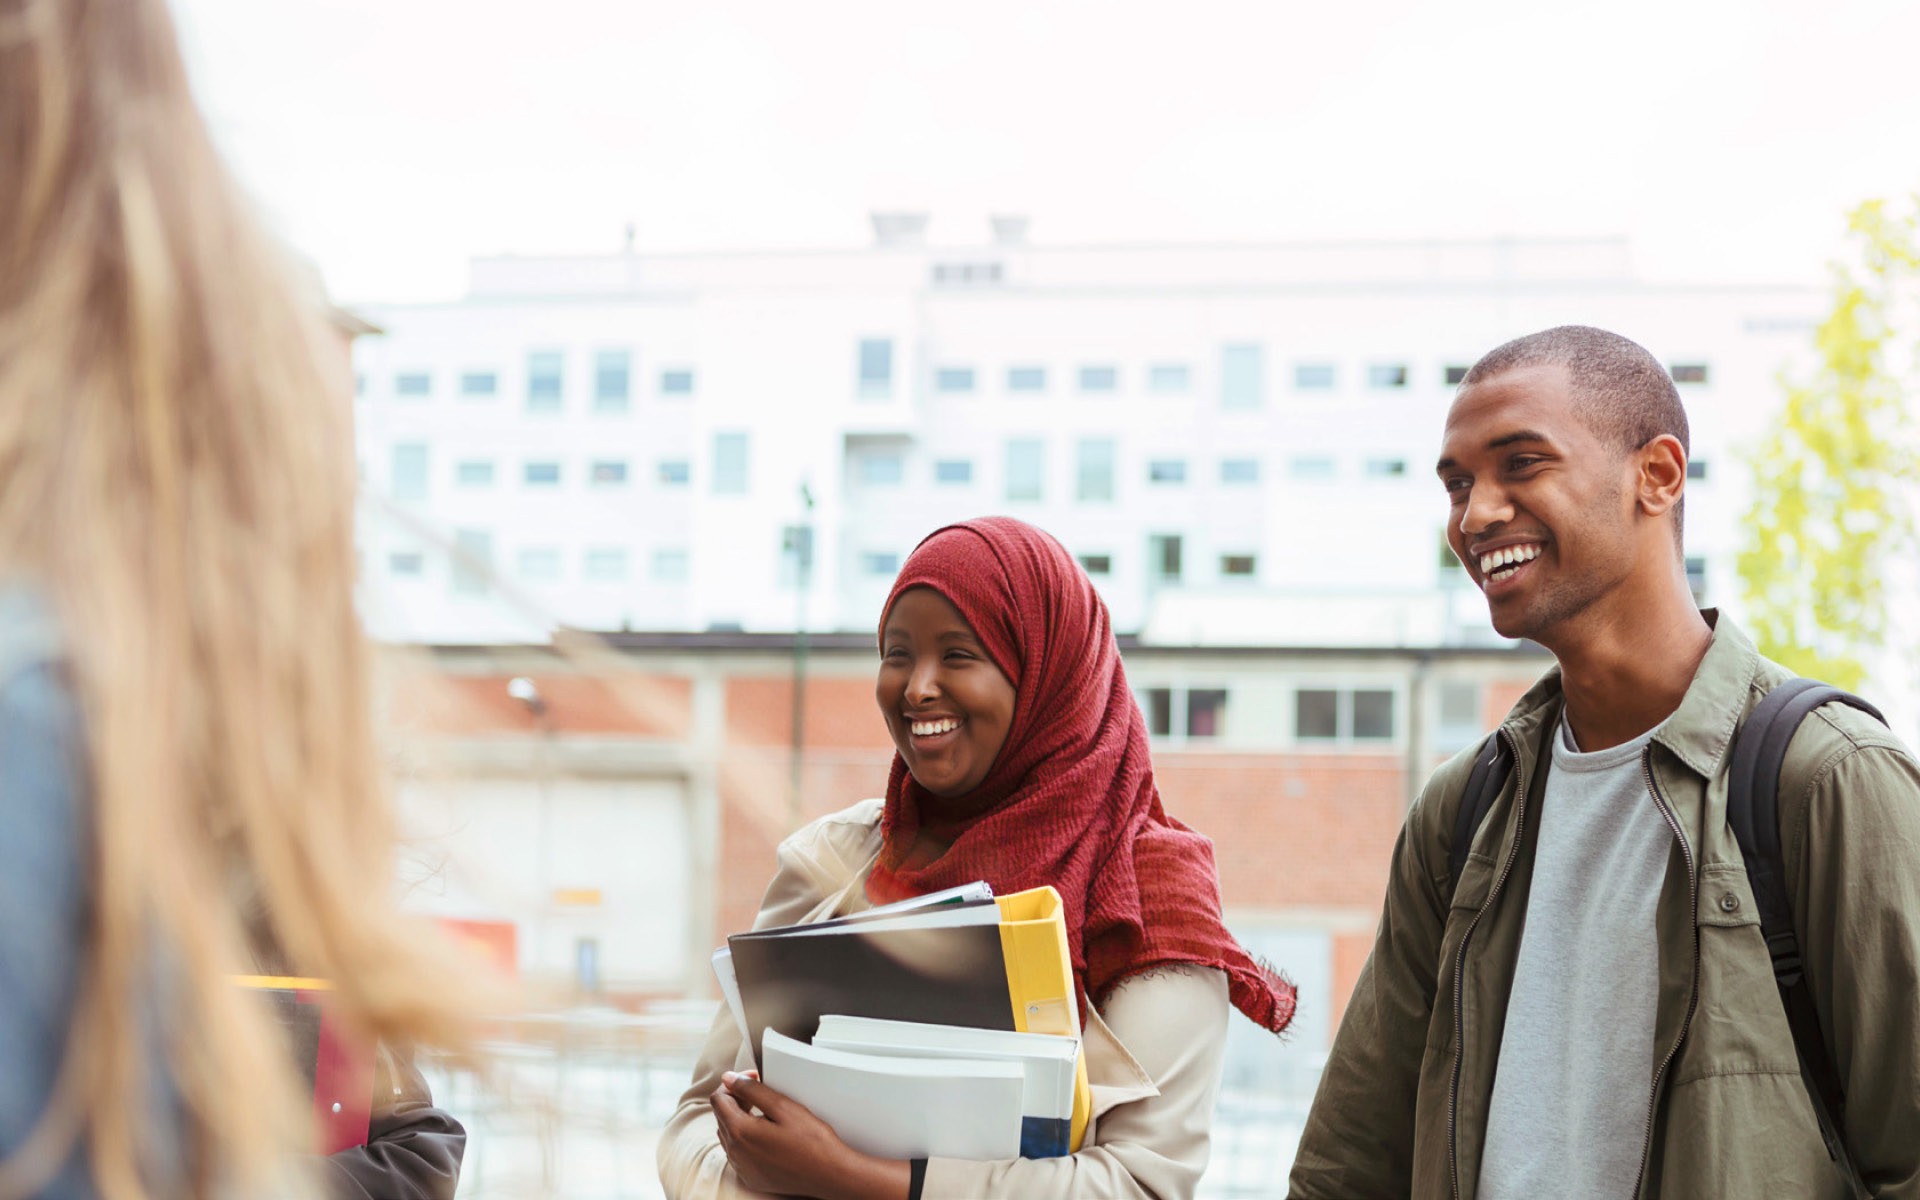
1834	472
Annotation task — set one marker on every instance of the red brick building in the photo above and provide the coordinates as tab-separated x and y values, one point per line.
624	815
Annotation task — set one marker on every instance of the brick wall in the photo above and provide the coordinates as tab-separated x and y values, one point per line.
1311	830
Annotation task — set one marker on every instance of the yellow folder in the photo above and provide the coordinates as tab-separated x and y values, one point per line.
1033	940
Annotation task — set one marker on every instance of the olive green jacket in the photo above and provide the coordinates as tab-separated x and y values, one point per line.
1402	1107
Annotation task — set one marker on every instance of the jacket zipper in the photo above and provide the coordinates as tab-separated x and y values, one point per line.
1460	964
1693	990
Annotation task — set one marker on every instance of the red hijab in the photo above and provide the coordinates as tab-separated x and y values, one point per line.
1070	801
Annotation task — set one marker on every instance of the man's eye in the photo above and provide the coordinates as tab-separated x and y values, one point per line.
1523	461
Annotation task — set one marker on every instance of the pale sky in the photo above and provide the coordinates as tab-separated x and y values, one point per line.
392	139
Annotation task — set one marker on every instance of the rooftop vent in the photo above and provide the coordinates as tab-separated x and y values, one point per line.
899	228
1009	229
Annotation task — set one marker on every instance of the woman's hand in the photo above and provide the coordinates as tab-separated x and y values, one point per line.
787	1150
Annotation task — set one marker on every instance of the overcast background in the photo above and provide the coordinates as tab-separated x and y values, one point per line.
390	139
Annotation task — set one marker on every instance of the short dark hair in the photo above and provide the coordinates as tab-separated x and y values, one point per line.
1622	392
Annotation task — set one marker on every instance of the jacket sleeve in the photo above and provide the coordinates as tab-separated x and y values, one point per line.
692	1165
1857	906
43	889
1174	1022
413	1149
1358	1141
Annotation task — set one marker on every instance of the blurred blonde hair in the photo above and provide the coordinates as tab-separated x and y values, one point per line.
176	479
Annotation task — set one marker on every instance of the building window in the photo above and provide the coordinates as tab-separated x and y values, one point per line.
1316	714
1243	376
1313	377
413	384
1372	715
541	474
360	383
1198	714
675	472
677	381
953	470
876	368
1387	468
410	471
539	564
1206	712
1095	482
545	381
1312	468
472	562
612	372
670	566
1459	725
1239	470
482	384
406	563
1697	579
1387	376
953	379
1097	564
1099	379
1163	557
475	472
882	470
1456	374
884	564
1165	379
1238	566
1159	712
1167	471
1690	372
1697	469
962	274
605	564
1342	715
609	472
1025	469
729	464
1026	379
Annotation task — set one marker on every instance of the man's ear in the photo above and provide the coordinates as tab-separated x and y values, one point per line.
1662	475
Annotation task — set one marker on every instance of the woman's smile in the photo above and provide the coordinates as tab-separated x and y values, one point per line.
947	704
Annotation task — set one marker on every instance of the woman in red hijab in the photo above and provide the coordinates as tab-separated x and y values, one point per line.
1021	758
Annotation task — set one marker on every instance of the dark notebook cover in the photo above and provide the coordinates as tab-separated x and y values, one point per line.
951	976
336	1072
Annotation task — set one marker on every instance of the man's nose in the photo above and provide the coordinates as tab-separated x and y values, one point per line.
1487	506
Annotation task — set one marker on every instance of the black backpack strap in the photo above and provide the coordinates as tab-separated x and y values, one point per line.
1490	770
1753	810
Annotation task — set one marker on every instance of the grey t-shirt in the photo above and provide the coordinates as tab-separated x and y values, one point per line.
1569	1111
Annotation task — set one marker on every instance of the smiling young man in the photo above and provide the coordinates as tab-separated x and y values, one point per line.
1589	1009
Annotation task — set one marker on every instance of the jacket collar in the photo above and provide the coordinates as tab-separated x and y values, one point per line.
1699	732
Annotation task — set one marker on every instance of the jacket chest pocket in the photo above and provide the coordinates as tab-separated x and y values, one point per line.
1739	1024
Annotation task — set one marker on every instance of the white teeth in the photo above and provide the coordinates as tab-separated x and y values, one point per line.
930	728
1511	556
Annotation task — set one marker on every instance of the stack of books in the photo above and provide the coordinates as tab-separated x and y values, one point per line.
945	1026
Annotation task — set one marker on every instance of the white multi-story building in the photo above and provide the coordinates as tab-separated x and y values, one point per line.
1236	440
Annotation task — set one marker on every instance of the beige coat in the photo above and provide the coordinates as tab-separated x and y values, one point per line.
1154	1055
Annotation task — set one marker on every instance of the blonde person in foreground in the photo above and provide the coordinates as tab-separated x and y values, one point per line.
1022	760
189	777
